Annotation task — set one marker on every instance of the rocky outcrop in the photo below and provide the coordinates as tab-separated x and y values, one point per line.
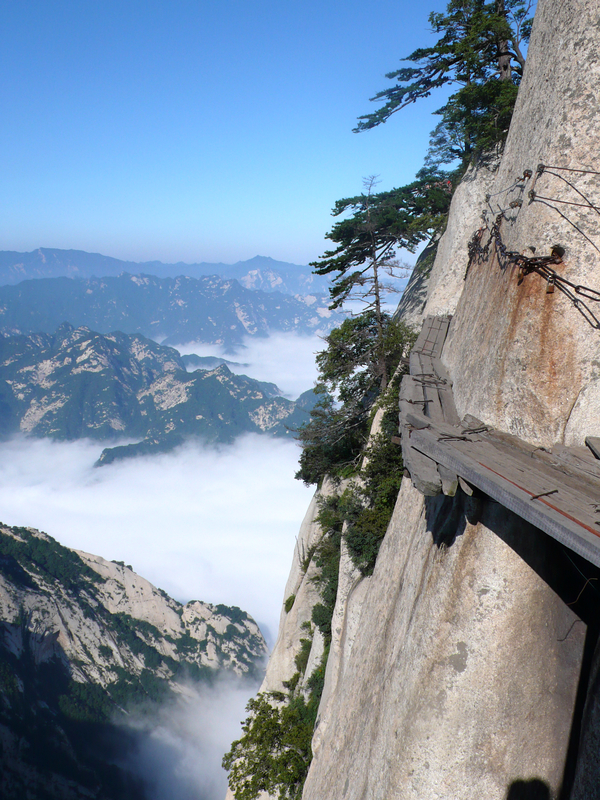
173	310
437	280
84	642
456	685
78	383
521	358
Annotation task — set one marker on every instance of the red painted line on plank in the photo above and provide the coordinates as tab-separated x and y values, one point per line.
541	499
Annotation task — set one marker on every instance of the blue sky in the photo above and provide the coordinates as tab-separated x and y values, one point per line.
196	131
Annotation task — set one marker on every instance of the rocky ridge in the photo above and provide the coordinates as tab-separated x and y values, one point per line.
209	309
78	383
260	272
84	642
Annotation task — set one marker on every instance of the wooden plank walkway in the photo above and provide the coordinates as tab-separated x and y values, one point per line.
557	490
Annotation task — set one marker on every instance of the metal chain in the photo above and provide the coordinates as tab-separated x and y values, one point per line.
540	265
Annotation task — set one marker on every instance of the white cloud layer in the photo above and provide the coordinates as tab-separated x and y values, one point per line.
284	358
213	524
206	523
179	755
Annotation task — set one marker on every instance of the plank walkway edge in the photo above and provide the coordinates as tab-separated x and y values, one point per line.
576	537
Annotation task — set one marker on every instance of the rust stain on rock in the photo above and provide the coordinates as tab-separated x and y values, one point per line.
518	337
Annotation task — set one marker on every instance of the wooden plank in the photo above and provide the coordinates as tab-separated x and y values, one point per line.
558	491
426	366
581	452
449	480
418	420
571	474
414	364
429	379
423	339
469	421
578	497
576	463
466	487
432	336
540	513
411	397
448	408
440	370
423	471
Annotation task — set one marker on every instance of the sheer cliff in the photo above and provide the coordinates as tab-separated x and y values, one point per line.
463	667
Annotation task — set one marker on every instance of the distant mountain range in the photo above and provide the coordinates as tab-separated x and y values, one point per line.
83	643
260	272
76	383
174	310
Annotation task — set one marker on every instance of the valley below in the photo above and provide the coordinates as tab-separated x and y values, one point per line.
198	463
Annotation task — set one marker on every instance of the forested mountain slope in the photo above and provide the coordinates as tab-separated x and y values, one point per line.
77	383
84	642
174	310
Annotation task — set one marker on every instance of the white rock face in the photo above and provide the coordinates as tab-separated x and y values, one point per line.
460	680
353	589
522	359
447	275
281	664
292	624
439	291
78	627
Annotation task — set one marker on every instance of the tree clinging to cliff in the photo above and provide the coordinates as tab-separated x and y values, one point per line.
480	50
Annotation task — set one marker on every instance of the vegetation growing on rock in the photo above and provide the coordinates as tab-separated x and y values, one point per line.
78	383
83	642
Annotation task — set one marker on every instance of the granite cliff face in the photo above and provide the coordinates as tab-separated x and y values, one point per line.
535	369
463	668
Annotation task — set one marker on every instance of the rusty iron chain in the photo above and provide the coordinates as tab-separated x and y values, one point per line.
540	265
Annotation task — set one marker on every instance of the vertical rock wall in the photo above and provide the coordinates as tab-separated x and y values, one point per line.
525	360
462	678
302	593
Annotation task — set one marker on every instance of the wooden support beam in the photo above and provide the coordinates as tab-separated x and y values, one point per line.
593	442
449	480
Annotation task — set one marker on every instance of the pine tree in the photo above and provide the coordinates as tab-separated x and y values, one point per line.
480	50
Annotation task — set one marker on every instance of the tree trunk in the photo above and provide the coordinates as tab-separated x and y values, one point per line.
504	56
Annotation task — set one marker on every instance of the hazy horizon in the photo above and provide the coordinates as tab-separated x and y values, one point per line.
199	132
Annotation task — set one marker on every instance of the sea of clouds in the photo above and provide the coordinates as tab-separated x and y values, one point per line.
179	750
202	523
216	524
283	358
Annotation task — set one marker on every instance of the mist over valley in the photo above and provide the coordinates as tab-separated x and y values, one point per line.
196	493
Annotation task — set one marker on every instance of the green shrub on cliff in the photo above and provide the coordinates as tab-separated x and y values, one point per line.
273	755
350	370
